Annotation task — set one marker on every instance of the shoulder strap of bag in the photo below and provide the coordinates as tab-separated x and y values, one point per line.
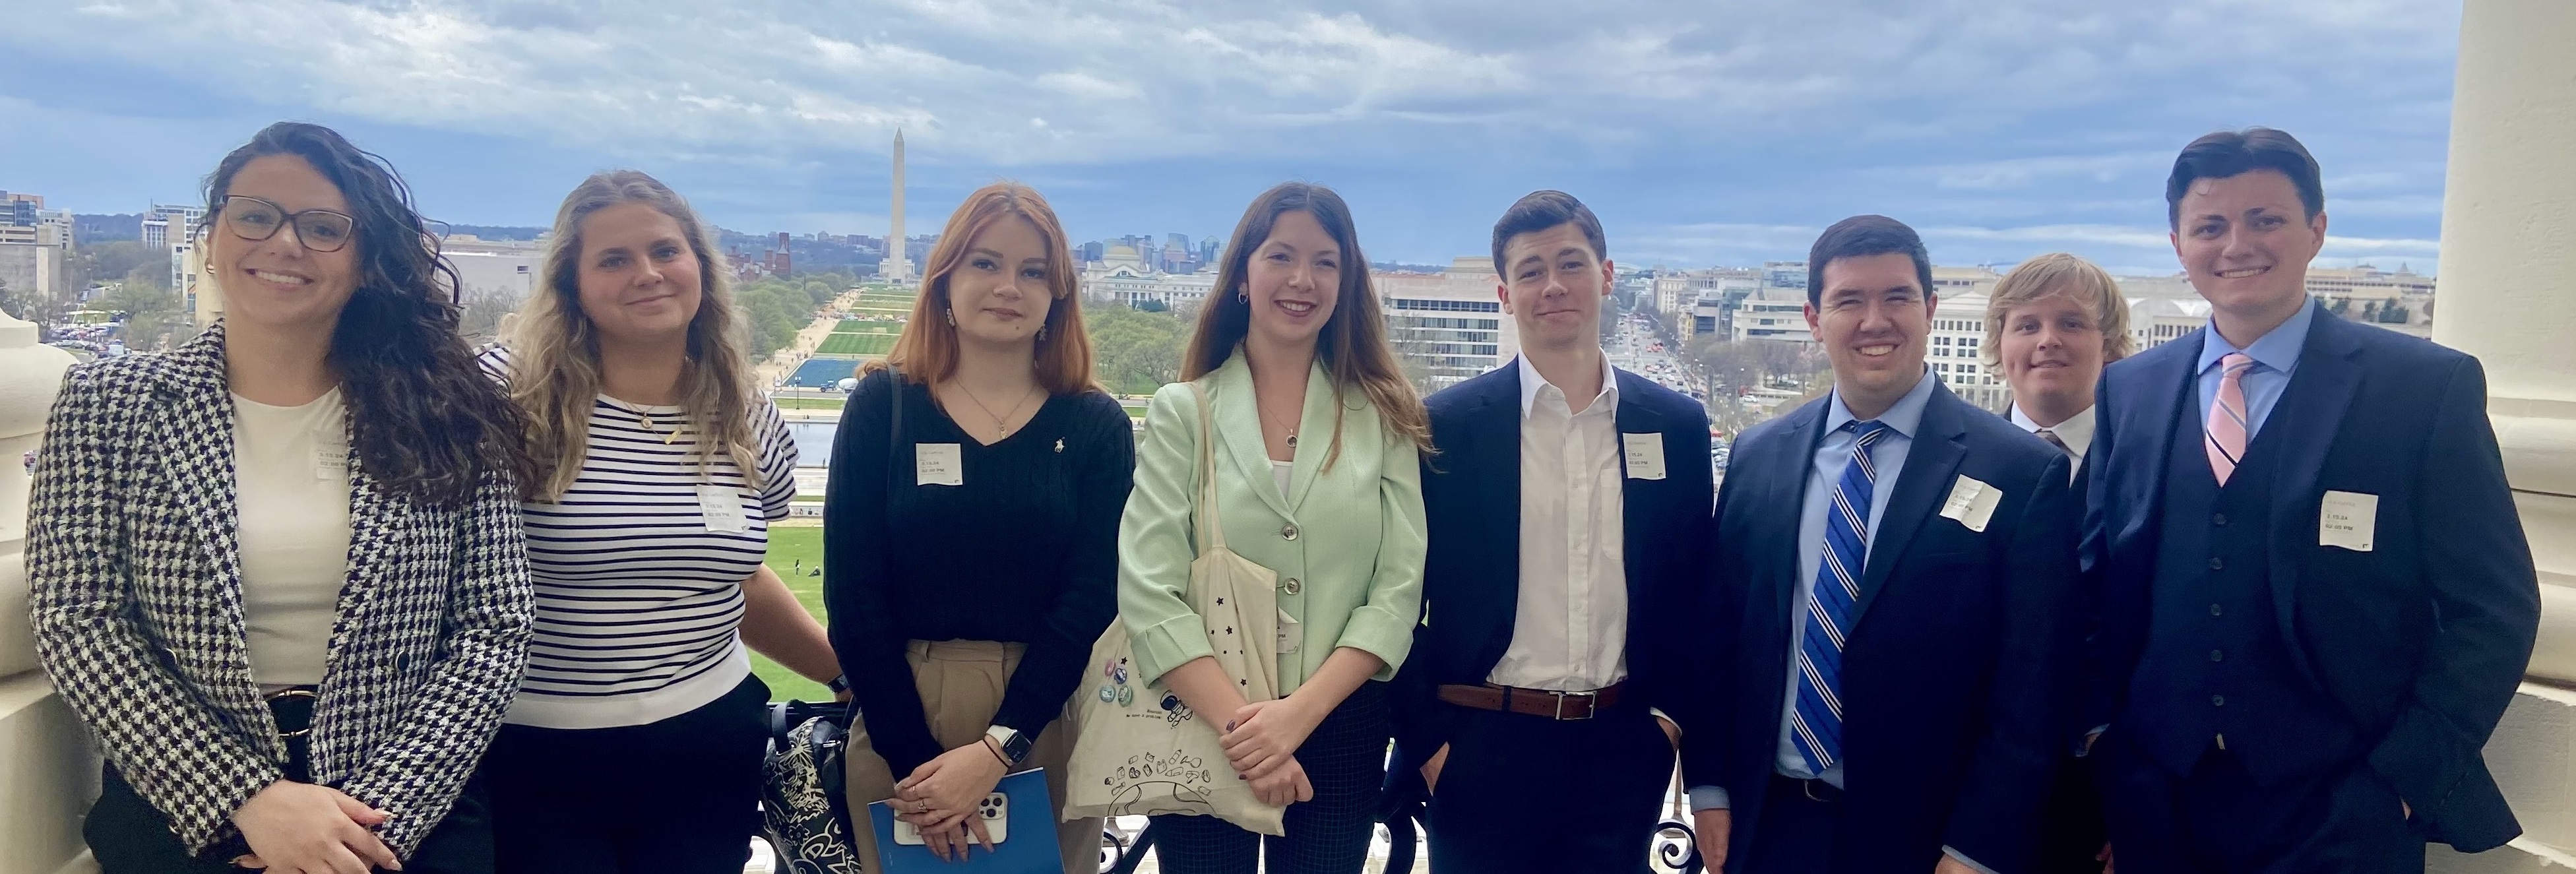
894	423
1211	532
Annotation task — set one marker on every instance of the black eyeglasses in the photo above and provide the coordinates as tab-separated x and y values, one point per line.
253	219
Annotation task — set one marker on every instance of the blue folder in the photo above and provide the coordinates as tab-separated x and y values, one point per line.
1031	848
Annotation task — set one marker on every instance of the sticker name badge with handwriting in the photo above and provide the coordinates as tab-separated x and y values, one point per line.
2348	520
1972	503
721	506
938	464
1645	455
331	461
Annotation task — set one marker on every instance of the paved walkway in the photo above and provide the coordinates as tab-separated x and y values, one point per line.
784	361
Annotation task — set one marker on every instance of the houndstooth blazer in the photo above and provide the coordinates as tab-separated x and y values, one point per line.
135	579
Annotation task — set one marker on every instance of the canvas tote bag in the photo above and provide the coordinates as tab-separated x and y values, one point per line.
1139	750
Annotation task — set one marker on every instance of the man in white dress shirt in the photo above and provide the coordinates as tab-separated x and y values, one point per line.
1567	504
2052	324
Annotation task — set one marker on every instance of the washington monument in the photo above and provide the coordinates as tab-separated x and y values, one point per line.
896	266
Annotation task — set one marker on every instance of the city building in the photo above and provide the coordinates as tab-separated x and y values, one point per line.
1772	313
1122	276
35	248
1451	324
507	268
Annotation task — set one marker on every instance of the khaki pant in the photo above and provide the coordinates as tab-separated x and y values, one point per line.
961	684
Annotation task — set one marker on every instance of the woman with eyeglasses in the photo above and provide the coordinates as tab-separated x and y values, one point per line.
278	571
636	742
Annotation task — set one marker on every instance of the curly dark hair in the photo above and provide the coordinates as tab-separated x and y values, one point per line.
424	419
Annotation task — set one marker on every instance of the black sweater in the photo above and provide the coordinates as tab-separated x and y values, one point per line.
1026	550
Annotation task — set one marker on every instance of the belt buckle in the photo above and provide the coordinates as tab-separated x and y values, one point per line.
307	694
1592	700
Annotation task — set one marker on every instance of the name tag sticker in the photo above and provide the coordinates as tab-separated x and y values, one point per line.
2348	520
1972	503
1292	633
331	462
938	464
1645	455
721	506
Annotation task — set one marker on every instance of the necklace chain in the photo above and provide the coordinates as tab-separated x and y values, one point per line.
1004	421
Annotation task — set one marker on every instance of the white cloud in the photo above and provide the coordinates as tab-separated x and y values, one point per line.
1127	80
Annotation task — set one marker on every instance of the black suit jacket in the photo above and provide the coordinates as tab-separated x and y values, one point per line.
2421	640
1471	577
1958	672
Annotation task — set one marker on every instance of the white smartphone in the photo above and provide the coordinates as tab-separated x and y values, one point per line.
995	811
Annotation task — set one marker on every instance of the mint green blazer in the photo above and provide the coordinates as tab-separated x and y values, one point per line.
1346	543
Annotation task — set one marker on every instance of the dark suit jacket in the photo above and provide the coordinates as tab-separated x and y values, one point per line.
1471	578
2423	639
1958	673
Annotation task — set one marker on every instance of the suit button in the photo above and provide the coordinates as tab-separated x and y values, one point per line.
1293	586
2216	610
1288	532
2216	564
2217	655
2218	519
2217	700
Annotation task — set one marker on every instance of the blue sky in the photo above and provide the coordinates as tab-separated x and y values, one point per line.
1702	131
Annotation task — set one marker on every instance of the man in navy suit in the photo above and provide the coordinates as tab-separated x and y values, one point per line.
1896	650
2315	595
1567	503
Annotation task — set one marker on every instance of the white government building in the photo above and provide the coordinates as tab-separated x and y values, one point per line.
2507	273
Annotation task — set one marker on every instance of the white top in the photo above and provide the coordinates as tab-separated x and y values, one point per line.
2076	432
638	586
291	487
1279	471
1570	632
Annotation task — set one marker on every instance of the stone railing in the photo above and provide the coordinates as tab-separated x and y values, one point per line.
47	771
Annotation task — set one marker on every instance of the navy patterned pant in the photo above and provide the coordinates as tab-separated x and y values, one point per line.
1346	761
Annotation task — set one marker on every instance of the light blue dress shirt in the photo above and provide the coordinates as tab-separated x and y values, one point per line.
2276	355
1833	453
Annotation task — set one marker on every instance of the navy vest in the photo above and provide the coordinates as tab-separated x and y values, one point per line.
2216	669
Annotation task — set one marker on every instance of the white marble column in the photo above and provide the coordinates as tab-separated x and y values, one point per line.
47	771
2508	296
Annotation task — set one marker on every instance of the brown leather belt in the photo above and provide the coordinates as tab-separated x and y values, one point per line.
1534	702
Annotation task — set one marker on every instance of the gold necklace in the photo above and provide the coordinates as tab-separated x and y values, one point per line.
646	419
1002	422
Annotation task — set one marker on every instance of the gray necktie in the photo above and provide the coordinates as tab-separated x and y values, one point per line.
2051	437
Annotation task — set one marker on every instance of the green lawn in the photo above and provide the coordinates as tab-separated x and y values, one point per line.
856	344
797	555
811	403
863	326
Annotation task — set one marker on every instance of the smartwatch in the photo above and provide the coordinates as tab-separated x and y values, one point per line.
839	684
1014	745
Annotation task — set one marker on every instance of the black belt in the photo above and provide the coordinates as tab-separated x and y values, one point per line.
1817	791
292	709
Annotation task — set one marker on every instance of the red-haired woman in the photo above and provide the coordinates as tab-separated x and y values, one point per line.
971	557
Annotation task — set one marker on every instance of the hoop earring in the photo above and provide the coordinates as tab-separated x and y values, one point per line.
1244	296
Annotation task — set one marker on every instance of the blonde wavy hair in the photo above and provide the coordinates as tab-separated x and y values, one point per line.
2090	286
554	346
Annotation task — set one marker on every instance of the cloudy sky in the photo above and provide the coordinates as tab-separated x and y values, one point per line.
1702	132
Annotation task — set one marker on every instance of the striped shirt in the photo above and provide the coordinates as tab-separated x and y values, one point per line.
638	587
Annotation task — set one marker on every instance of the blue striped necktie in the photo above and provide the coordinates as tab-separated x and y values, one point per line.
1817	724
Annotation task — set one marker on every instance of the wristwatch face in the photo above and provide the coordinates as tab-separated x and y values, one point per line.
1017	748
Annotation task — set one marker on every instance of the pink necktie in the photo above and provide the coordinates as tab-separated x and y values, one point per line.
2226	426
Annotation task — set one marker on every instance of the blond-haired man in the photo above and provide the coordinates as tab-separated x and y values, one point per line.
2051	325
